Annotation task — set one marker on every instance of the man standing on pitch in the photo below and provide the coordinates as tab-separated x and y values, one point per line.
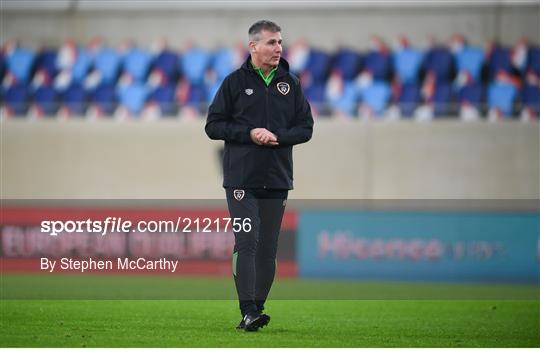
260	112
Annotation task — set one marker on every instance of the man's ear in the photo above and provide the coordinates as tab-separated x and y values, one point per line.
252	46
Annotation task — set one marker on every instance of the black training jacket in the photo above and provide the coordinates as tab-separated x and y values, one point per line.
244	102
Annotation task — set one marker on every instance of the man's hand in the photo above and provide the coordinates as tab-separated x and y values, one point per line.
262	136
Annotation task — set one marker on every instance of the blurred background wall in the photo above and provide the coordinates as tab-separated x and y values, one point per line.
354	160
215	23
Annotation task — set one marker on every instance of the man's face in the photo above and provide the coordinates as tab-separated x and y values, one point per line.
267	51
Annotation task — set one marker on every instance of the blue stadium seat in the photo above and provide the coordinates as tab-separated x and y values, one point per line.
167	63
408	99
2	66
46	60
531	98
222	62
21	63
471	60
211	90
376	96
348	63
533	60
75	99
46	100
315	93
348	101
134	97
499	60
104	97
407	64
165	97
197	96
82	65
194	63
16	98
108	62
502	96
378	64
471	94
137	63
440	61
442	99
318	65
298	56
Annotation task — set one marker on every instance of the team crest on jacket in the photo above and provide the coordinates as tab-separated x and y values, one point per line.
238	194
283	88
249	91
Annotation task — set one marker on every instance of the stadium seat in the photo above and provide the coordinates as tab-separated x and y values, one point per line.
104	98
347	103
502	96
442	100
194	63
82	65
165	97
298	56
499	60
315	93
2	66
196	97
439	61
166	62
211	90
533	60
376	97
134	97
222	62
408	99
75	99
137	63
46	61
378	64
46	100
471	60
531	99
107	63
16	98
348	63
20	62
471	94
318	65
407	63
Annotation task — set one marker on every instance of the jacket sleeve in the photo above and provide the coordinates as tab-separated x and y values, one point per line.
219	123
302	129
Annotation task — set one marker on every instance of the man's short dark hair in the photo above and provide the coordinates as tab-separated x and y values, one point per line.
261	25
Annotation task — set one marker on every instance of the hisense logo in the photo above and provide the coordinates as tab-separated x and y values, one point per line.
343	244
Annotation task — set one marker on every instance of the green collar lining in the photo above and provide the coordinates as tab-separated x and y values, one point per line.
268	78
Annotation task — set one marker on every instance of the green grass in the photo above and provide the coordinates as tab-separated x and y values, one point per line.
340	314
167	323
145	287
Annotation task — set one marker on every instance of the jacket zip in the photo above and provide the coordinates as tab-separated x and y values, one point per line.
266	108
267	124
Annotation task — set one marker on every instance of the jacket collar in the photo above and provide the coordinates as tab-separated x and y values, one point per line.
283	67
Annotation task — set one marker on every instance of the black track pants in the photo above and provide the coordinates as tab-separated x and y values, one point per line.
254	258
